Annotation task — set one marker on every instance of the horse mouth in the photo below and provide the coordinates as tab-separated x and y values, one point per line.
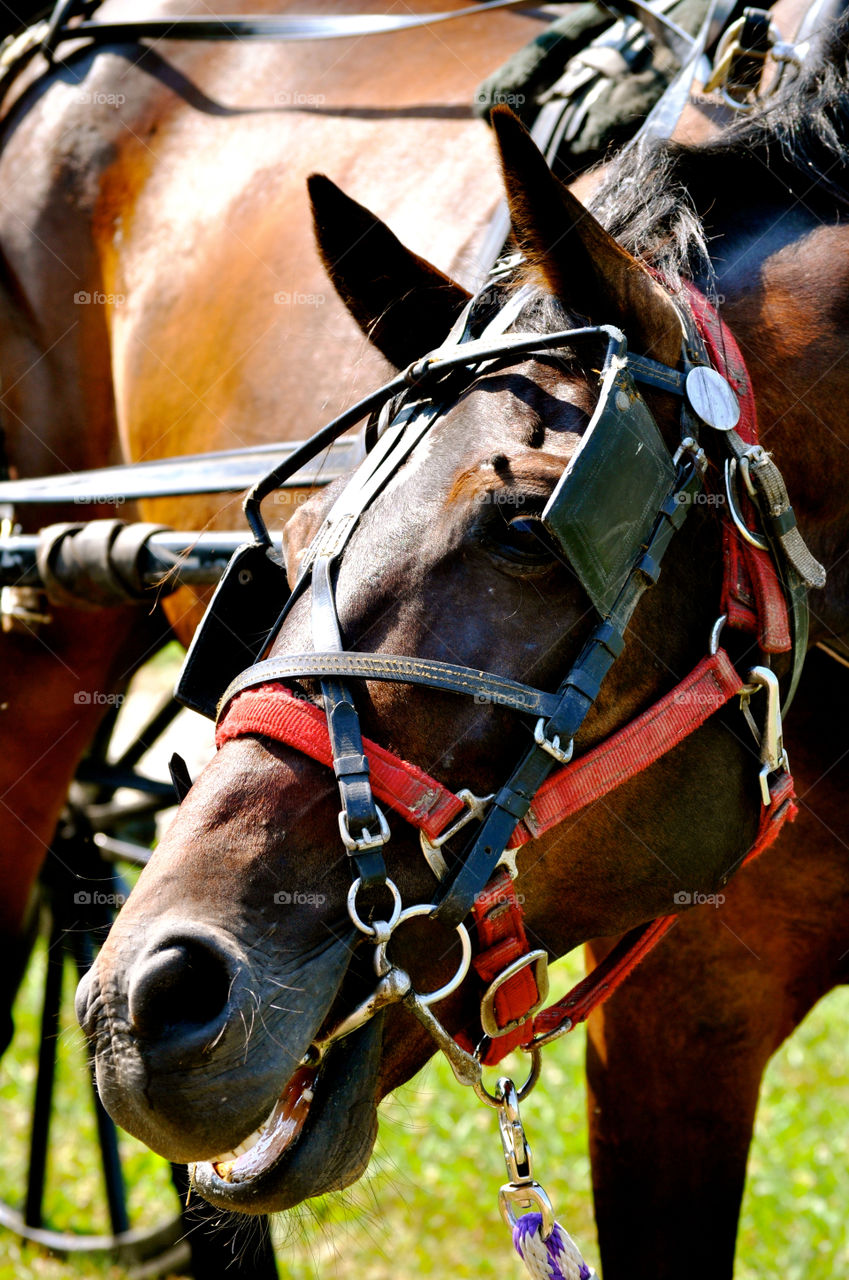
261	1150
318	1136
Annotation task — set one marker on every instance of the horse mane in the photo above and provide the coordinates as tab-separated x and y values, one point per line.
796	147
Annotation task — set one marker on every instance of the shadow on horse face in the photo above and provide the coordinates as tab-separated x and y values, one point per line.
235	951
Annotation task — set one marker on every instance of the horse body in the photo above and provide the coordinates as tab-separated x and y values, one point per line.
160	295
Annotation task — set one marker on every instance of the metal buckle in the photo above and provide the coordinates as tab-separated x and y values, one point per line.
475	806
731	47
552	745
366	840
539	959
689	446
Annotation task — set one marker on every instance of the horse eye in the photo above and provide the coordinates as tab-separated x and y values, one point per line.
522	540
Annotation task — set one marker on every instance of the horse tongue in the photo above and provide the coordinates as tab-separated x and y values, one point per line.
278	1132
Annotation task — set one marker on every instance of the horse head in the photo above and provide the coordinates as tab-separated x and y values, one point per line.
236	953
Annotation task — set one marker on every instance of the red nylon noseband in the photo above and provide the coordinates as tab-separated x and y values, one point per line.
274	712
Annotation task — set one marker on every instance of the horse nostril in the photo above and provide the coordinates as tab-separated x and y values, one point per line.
184	983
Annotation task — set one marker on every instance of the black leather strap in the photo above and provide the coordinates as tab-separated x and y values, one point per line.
181	779
559	715
420	375
395	668
755	41
479	860
359	811
310	449
263	27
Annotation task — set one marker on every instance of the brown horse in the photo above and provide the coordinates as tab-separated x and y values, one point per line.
159	294
185	1004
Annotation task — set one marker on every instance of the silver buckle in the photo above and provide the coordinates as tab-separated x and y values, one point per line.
539	960
475	806
552	745
366	840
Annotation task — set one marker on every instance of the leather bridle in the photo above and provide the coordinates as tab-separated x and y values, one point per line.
543	787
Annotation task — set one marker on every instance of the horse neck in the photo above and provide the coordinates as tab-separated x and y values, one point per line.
785	295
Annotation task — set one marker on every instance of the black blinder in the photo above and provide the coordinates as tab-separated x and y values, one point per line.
235	628
606	502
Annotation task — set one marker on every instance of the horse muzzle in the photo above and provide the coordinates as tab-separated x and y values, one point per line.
193	1045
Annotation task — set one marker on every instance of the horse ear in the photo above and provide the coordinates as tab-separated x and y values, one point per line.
579	261
404	305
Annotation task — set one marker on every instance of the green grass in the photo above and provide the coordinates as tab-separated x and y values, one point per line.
428	1203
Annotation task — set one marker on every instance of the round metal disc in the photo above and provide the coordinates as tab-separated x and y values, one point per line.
712	398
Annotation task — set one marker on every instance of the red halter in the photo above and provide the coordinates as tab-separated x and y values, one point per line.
753	599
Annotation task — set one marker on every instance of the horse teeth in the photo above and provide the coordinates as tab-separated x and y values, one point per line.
245	1145
282	1124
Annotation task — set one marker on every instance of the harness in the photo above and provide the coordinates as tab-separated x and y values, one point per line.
623	468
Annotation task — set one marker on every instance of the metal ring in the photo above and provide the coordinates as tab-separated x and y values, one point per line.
368	929
528	1196
428	909
735	104
716	632
492	1100
742	528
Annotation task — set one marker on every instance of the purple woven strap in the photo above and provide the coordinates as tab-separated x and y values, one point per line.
557	1247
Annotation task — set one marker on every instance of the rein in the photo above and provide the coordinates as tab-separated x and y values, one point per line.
547	787
300	27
